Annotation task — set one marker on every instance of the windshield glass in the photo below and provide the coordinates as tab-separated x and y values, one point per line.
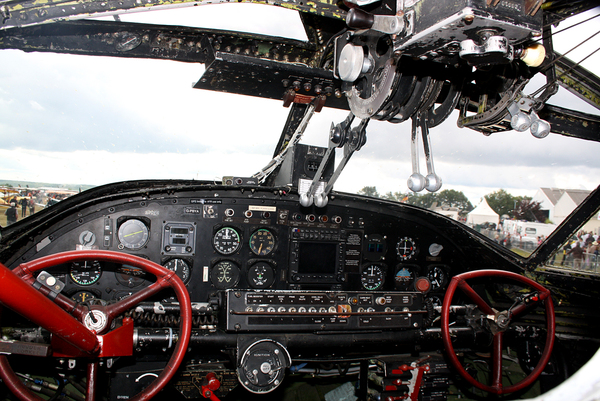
71	122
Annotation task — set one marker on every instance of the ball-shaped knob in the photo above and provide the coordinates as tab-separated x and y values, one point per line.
321	200
306	200
416	182
540	128
433	182
520	122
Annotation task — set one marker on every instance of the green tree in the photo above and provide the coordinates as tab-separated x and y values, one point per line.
369	191
453	198
501	202
448	197
529	211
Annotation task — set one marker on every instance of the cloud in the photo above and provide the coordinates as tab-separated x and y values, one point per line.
36	106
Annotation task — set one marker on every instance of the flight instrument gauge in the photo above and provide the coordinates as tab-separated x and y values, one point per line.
404	278
406	248
83	297
225	274
438	277
133	234
372	277
227	241
130	276
262	242
181	268
86	272
261	275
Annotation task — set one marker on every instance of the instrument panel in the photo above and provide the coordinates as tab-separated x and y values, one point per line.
222	241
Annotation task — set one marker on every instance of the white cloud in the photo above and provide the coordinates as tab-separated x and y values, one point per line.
36	106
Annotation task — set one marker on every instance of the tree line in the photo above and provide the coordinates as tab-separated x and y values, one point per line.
503	203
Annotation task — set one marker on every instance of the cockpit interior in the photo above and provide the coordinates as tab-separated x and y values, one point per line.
275	285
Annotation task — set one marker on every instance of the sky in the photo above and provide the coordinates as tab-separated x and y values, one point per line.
95	120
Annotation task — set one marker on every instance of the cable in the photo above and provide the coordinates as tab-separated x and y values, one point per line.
565	72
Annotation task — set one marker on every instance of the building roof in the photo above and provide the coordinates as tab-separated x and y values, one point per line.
553	194
578	195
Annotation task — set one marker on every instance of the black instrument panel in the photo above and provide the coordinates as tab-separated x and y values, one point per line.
224	239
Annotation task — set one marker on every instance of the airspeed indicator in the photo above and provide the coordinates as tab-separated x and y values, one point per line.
372	277
227	241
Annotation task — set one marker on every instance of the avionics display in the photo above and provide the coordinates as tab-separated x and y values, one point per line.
317	258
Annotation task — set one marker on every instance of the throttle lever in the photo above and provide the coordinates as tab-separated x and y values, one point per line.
340	135
416	182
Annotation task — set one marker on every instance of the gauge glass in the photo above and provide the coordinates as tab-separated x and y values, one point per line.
181	268
130	276
262	242
83	297
261	275
438	277
225	274
227	241
372	277
86	272
133	234
406	248
404	277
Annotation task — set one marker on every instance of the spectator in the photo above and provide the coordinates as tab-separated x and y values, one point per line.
577	252
11	214
24	203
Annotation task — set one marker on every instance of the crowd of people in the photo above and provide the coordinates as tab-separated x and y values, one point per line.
25	203
583	250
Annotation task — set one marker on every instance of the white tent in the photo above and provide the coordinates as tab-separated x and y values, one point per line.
482	214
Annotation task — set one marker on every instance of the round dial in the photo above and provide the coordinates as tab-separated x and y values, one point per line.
133	234
406	248
181	268
262	242
225	274
82	296
438	277
86	273
404	277
130	276
372	277
227	241
261	275
262	366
